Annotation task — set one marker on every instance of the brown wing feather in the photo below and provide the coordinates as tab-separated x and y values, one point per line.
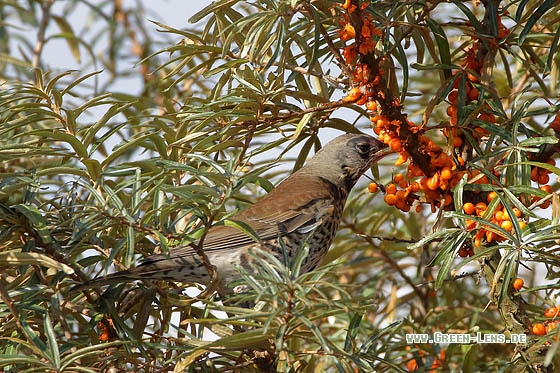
278	217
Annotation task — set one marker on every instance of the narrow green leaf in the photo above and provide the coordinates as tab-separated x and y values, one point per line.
94	168
17	258
535	141
443	45
69	36
535	16
75	143
445	256
53	351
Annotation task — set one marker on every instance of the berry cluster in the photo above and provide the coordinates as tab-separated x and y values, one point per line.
365	40
552	313
549	325
499	218
400	193
433	170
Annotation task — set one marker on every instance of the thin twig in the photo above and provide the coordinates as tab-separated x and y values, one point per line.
45	17
5	296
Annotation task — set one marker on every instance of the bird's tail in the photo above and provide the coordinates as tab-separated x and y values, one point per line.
113	278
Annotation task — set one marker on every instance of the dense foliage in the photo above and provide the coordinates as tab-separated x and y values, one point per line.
93	177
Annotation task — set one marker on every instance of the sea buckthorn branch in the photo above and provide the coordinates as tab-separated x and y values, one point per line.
500	215
370	82
476	118
431	170
476	74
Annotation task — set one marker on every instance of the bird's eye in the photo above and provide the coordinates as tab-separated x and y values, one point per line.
363	148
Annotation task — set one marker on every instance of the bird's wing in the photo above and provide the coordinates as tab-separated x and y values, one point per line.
297	204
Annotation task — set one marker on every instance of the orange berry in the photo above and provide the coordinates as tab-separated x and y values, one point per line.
405	208
349	53
385	137
498	215
391	189
539	329
371	105
522	224
507	225
403	184
104	336
414	187
480	208
518	283
412	365
436	364
542	171
446	173
546	188
352	96
468	208
453	120
491	196
395	145
457	141
433	182
517	212
373	187
382	122
414	171
447	200
505	215
397	178
551	312
390	199
401	195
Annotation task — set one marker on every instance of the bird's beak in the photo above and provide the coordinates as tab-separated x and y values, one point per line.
382	150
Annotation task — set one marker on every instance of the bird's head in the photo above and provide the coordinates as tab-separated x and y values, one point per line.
343	160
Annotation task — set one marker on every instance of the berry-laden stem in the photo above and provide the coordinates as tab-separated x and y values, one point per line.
440	170
511	306
376	87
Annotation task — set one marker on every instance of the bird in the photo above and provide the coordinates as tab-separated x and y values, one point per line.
304	208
